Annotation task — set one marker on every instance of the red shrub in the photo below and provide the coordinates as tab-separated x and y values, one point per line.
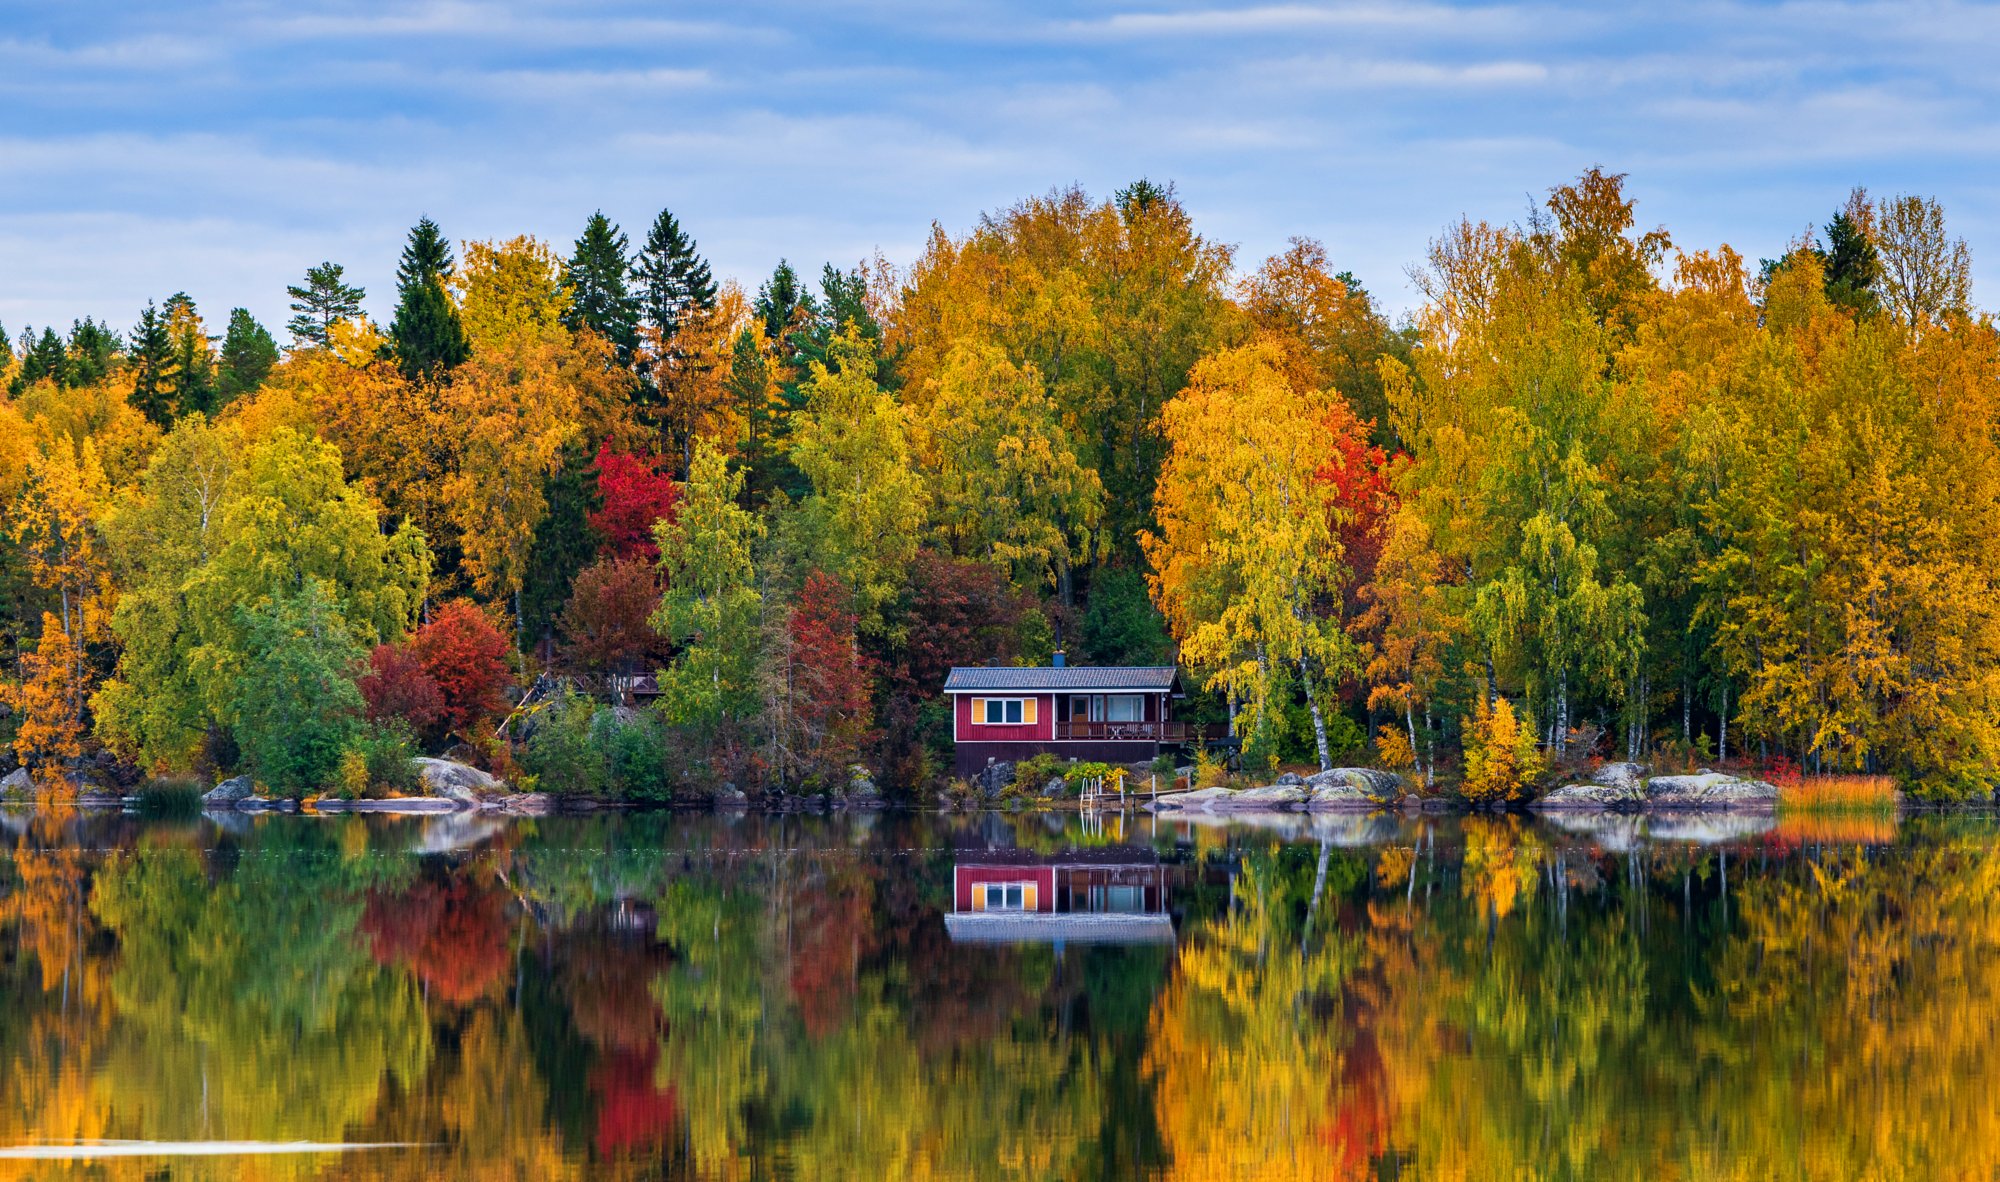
635	494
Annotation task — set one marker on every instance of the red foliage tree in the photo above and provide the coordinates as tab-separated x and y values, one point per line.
826	682
635	494
1363	480
607	623
398	686
466	655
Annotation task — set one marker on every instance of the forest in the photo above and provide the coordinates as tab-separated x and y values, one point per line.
1600	495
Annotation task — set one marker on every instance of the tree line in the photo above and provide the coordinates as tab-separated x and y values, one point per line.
1599	495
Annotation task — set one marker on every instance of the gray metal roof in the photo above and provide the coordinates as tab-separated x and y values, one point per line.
1029	927
1158	678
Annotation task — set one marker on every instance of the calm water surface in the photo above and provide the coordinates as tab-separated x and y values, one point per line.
915	997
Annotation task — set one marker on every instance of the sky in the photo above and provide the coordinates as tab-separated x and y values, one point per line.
223	146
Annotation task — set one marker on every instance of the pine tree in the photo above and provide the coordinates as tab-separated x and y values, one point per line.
248	353
673	280
779	300
426	337
6	352
599	298
323	302
92	349
150	357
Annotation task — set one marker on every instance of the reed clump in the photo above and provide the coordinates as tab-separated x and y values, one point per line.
1838	794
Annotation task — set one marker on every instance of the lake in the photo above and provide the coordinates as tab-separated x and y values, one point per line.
912	996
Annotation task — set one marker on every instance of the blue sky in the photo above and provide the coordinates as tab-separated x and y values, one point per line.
223	147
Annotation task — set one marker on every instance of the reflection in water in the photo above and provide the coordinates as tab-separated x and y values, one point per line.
999	997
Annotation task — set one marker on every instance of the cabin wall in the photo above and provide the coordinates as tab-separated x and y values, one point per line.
1043	729
970	759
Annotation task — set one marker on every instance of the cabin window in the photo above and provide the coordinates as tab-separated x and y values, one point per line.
1003	711
1124	708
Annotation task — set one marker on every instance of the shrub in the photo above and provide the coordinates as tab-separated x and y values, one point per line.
1208	770
560	753
1393	750
380	762
295	709
1501	758
1033	772
634	754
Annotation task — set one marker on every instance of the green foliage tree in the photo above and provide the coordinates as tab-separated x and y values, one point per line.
712	608
673	280
151	350
296	709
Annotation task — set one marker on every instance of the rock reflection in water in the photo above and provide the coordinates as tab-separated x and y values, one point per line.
1328	996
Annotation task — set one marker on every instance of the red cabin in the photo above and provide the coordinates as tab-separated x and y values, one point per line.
1117	714
1108	894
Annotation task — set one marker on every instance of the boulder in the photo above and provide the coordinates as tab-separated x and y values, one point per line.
229	792
860	781
730	796
456	781
995	777
528	804
1591	797
1057	786
1292	779
1378	786
1709	790
1280	798
17	784
1629	776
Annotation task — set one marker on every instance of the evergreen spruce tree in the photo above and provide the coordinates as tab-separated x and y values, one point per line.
599	298
6	352
93	348
1852	265
426	336
43	359
778	299
672	279
248	353
564	544
190	372
151	350
324	301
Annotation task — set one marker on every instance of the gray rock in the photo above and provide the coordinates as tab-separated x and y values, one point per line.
229	791
1056	786
1629	776
731	797
860	781
1709	790
995	777
18	783
1281	798
1292	779
456	781
1379	786
1591	798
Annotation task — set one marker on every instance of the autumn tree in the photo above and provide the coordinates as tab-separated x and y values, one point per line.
1006	482
56	526
607	625
1247	553
465	656
294	706
817	704
1926	273
862	519
633	496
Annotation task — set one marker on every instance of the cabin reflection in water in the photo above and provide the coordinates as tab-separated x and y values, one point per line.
1101	895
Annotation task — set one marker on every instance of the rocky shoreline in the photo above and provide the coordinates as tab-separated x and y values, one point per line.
1612	788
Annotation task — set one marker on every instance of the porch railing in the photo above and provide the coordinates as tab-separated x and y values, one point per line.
1135	732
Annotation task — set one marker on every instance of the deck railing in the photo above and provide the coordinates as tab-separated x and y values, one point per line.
1134	732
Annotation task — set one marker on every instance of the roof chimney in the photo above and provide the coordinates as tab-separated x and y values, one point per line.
1057	660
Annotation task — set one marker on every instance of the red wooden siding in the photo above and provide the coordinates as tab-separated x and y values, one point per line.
1044	878
1041	730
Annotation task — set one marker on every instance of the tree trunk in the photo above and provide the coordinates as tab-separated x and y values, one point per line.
1722	727
1410	719
1319	723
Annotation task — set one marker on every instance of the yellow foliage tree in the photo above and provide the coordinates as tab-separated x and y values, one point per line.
1502	759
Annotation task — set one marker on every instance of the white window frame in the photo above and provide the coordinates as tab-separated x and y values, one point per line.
996	896
1137	702
1016	707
